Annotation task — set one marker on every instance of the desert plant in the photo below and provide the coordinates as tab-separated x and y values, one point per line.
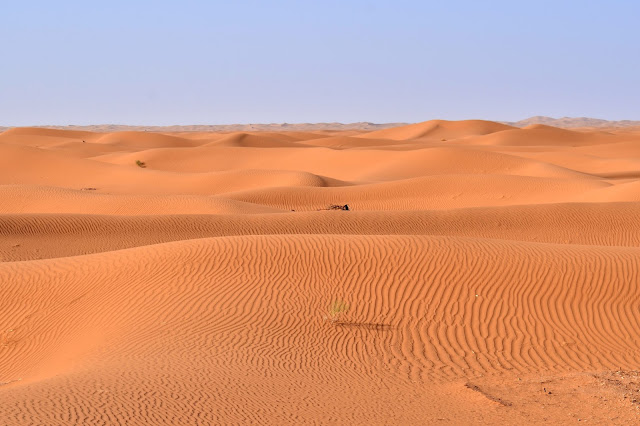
141	164
336	310
339	207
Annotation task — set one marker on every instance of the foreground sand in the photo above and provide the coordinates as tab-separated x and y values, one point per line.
492	276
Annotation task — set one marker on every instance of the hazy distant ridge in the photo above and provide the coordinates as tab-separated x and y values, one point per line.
564	122
271	127
569	122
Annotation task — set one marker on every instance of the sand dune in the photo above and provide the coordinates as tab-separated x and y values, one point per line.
491	275
40	236
435	129
141	140
248	140
541	135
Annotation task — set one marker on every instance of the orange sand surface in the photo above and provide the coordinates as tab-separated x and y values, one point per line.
483	274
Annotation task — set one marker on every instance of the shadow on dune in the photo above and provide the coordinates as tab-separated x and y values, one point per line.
366	325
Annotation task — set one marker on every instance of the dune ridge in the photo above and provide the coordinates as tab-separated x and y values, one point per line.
491	274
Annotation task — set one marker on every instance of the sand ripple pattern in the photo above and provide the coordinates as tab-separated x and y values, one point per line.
250	310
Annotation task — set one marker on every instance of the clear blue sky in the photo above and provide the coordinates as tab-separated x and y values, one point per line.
240	61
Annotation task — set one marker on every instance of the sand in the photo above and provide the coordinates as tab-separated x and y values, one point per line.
491	276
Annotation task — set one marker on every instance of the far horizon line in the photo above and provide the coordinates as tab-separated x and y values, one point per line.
538	119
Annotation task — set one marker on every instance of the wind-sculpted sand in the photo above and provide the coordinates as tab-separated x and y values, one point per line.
491	275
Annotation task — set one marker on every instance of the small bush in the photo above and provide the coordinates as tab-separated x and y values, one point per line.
336	310
141	164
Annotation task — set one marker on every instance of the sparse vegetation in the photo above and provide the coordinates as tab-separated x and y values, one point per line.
141	164
339	207
336	310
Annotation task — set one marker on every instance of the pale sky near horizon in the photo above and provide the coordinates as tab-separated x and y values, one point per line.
219	62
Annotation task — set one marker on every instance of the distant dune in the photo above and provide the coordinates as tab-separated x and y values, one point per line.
443	272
